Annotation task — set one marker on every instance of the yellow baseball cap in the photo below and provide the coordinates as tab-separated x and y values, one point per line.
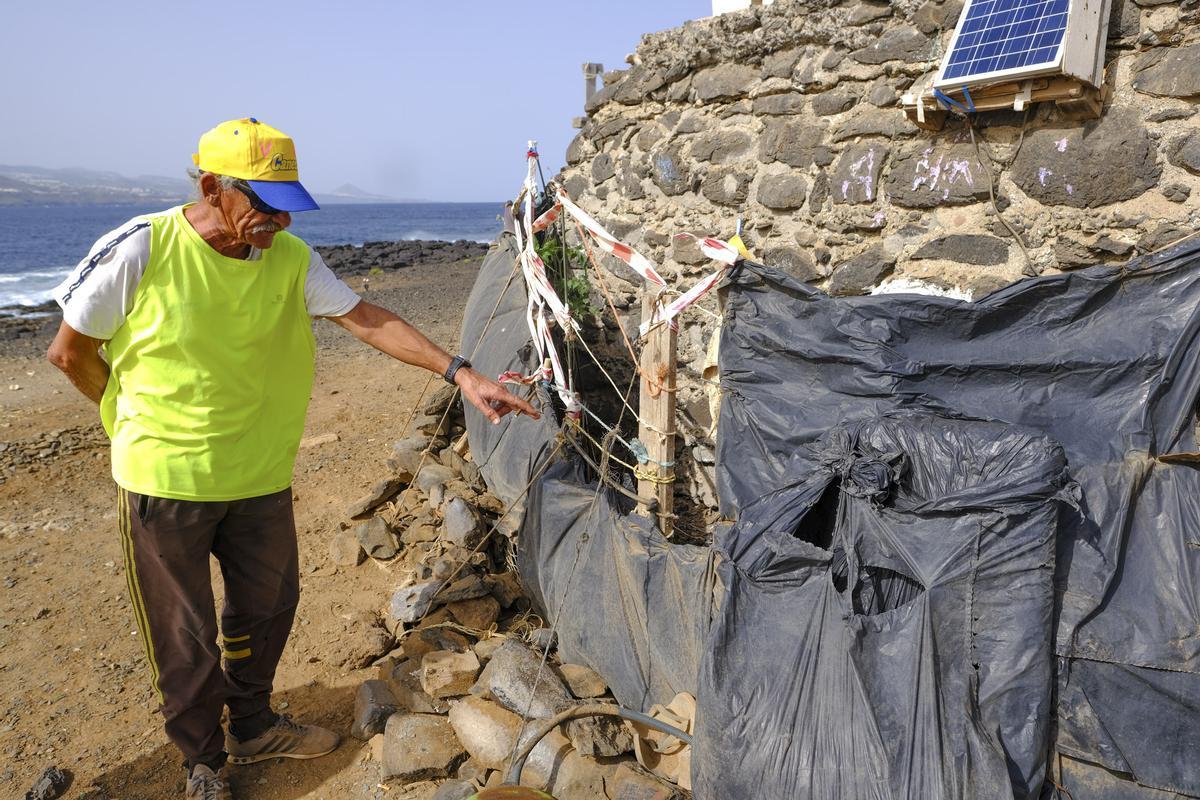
260	155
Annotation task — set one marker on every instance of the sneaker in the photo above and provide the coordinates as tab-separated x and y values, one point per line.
204	784
284	739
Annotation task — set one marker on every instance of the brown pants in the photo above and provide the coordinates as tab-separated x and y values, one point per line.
166	546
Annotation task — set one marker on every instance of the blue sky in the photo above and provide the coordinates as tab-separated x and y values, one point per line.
405	98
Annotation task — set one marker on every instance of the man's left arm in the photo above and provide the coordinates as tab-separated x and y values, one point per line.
390	334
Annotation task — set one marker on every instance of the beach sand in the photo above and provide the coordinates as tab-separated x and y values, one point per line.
74	685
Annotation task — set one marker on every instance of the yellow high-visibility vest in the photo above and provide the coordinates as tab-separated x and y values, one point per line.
212	370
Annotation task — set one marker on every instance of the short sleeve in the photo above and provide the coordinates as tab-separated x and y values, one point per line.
324	294
98	294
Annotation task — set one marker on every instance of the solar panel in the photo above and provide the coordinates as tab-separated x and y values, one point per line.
996	39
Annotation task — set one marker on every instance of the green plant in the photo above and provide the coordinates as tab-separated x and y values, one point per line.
375	271
566	267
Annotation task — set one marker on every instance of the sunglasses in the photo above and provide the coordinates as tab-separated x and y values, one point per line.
256	202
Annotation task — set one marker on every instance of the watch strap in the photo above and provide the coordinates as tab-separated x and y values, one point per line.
455	364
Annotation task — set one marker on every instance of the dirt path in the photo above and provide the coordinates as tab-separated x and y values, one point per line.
74	689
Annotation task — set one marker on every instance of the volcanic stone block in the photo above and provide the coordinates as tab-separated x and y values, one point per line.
862	272
795	144
380	493
898	44
448	674
345	551
514	671
721	147
1104	162
724	82
373	704
964	248
410	603
1169	72
927	175
782	192
856	176
479	614
602	168
420	747
726	186
376	538
670	172
1185	152
829	103
462	524
795	261
778	104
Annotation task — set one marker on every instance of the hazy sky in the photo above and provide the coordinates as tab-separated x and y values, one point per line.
404	98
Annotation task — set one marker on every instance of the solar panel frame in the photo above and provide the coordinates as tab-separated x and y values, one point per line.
1032	42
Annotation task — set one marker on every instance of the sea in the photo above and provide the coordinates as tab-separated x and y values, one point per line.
39	245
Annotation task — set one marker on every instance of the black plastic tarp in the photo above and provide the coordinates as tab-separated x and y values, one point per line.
1103	361
889	619
901	641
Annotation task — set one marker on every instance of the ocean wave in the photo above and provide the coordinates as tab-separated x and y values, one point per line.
31	287
428	236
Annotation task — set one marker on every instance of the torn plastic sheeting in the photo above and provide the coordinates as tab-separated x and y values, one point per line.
1103	360
890	619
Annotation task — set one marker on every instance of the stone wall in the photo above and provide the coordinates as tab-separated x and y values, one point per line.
788	117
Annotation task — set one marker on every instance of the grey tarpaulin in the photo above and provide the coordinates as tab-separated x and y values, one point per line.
1104	361
826	392
633	607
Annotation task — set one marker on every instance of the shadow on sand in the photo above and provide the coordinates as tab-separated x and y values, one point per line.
159	775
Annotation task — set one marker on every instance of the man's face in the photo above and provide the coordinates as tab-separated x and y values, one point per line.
248	225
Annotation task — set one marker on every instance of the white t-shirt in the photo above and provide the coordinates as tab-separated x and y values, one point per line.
98	294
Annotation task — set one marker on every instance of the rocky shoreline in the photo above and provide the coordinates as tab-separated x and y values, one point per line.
40	322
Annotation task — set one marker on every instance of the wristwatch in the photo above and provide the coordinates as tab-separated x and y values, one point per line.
455	363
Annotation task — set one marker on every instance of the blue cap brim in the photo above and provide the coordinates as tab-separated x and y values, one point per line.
284	195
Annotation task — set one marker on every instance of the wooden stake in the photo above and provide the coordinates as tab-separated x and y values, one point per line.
657	410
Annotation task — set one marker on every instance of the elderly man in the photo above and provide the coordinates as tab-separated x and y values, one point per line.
204	316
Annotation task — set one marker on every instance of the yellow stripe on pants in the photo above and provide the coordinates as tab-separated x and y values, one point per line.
135	591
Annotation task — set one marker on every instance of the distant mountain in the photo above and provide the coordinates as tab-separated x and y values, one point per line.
28	186
39	186
349	193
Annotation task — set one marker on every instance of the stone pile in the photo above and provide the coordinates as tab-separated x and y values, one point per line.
346	259
469	660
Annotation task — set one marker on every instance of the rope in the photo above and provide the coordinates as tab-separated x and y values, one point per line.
654	477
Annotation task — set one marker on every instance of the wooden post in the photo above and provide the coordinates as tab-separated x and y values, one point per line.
657	411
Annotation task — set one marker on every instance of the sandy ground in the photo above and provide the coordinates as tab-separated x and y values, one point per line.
74	686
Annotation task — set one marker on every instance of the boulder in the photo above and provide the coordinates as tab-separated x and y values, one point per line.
670	171
448	674
363	641
461	523
345	551
774	105
433	475
512	674
795	261
373	704
721	147
479	614
406	454
376	539
600	736
584	682
420	747
794	143
380	493
829	103
602	169
410	603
